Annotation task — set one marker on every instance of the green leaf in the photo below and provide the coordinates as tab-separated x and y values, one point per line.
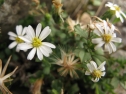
123	84
46	67
87	56
74	89
100	57
81	55
114	82
116	20
77	51
57	86
7	51
54	91
99	51
97	60
1	2
108	14
46	70
97	2
80	31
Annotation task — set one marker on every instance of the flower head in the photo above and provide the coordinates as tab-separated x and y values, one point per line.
57	3
15	37
106	37
58	6
94	71
4	78
118	12
68	64
35	41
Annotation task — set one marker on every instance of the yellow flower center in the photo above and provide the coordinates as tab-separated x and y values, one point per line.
96	73
18	40
117	8
107	38
36	42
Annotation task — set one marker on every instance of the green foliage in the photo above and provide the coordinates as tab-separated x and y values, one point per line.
80	31
79	42
108	14
97	2
56	87
73	89
1	2
46	67
114	82
27	20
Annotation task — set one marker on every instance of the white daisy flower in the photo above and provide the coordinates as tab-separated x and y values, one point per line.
15	37
94	71
106	37
118	12
35	41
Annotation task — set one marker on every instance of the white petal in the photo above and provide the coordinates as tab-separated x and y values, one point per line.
103	74
95	80
117	14
31	54
90	68
87	73
39	54
44	51
94	65
12	38
97	32
24	46
124	15
112	29
115	5
108	48
25	39
49	44
102	66
113	8
113	46
28	37
100	29
105	27
24	31
109	4
30	32
113	35
119	40
99	45
48	49
38	29
19	29
12	45
97	40
121	18
12	34
46	31
17	49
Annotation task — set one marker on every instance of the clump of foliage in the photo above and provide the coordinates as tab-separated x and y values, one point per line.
75	58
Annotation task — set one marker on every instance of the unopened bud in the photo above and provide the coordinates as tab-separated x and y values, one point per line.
91	26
